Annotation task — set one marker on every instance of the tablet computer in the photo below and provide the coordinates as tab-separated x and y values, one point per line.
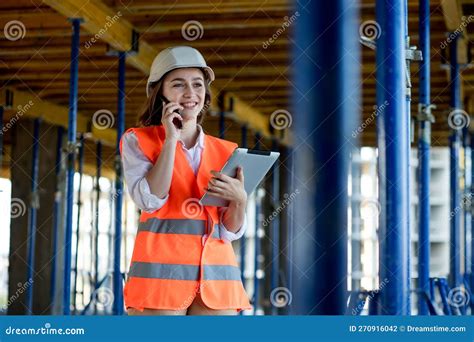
255	165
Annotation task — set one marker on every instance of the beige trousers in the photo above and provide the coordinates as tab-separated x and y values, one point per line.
197	307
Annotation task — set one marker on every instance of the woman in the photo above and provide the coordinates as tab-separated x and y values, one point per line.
183	261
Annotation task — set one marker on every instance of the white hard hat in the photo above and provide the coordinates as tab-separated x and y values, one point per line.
174	58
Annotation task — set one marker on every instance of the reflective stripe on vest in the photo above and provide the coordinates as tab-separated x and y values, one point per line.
177	226
183	272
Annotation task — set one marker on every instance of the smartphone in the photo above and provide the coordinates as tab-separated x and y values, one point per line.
177	122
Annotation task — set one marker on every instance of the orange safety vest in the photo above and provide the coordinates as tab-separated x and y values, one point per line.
173	258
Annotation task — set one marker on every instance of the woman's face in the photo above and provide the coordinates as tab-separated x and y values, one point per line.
186	87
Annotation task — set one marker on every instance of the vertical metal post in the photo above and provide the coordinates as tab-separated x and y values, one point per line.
72	127
454	146
275	226
393	142
290	219
56	213
467	199
221	123
117	279
356	245
256	281
78	220
34	205
243	240
408	154
471	281
327	77
424	142
96	218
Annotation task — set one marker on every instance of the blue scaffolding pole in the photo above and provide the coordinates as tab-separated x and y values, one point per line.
72	128
424	141
325	73
408	154
243	240
78	220
96	218
290	187
117	277
56	214
34	205
275	227
471	280
467	200
393	142
454	146
256	281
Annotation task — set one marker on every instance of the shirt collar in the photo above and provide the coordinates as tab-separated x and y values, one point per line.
199	140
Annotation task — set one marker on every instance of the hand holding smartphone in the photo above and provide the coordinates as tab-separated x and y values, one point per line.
177	122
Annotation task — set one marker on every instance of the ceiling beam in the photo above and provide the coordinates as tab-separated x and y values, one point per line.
30	105
96	16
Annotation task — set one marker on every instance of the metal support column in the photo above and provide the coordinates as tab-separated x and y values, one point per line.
78	221
471	282
117	277
408	153
467	195
454	146
221	123
96	218
243	239
425	119
393	142
325	73
275	227
56	214
72	127
34	205
256	281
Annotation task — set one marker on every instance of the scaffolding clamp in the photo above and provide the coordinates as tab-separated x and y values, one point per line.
467	202
34	200
424	112
72	147
412	54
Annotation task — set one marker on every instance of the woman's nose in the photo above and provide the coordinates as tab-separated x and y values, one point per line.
188	91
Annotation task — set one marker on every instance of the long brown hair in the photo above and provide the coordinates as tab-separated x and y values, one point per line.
151	111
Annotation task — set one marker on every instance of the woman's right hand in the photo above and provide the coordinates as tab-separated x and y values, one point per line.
168	114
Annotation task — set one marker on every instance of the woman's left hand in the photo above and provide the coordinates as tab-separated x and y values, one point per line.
228	188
